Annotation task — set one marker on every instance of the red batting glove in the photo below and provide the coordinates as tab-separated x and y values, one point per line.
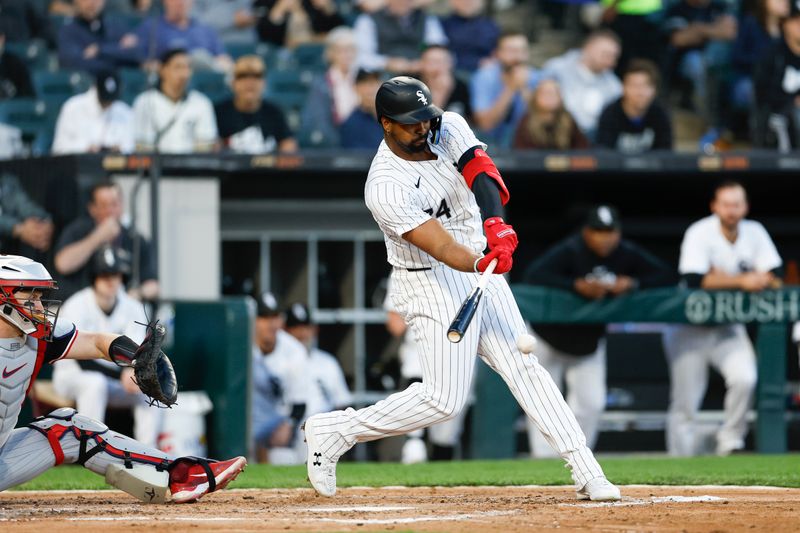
504	261
500	235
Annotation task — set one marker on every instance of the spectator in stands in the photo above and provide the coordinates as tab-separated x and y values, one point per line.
281	383
97	384
233	20
390	39
173	118
638	25
587	78
700	36
103	226
95	121
177	29
501	88
548	125
293	22
721	251
96	42
595	263
471	35
758	31
449	92
23	20
777	88
333	96
636	122
247	122
330	390
362	129
15	79
22	221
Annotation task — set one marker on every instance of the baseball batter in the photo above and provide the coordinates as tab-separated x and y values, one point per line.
28	339
428	187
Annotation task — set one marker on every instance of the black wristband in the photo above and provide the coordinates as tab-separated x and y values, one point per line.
122	351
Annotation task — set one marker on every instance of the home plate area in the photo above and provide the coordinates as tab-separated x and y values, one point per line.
450	509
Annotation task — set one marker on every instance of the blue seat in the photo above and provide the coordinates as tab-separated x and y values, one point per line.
237	50
60	85
210	83
131	21
288	88
309	56
33	117
34	53
273	56
133	82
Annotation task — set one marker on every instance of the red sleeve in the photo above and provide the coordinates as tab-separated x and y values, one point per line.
482	163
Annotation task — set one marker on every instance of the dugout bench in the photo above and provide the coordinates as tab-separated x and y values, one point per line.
494	415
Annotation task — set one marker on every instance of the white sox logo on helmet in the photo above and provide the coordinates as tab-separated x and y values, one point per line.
421	97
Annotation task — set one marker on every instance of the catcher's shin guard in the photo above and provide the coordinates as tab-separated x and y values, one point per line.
128	465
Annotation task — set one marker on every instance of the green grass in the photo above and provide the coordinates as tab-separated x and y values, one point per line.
776	470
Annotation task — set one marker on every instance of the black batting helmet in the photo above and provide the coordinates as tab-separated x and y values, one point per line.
405	100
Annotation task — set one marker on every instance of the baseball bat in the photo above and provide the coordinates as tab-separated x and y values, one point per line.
464	316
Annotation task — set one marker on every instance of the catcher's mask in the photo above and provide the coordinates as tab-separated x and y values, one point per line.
25	288
407	100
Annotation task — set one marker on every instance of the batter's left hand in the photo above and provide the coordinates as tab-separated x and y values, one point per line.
500	235
504	261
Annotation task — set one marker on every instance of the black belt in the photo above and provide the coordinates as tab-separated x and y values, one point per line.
419	269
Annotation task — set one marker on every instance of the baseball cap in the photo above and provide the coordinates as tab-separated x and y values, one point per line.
297	315
367	75
108	88
267	305
249	65
108	260
603	217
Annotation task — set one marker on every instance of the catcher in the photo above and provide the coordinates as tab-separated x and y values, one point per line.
30	336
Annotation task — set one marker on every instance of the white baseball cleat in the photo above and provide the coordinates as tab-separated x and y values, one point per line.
599	489
321	470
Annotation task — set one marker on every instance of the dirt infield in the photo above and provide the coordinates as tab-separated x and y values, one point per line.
461	509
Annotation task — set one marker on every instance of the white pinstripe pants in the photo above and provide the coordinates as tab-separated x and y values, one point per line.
428	300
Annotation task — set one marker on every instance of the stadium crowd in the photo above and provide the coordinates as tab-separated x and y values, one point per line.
260	76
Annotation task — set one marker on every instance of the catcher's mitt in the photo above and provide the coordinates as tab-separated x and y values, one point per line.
153	370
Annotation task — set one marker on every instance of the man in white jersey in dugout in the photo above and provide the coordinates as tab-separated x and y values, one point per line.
721	251
428	187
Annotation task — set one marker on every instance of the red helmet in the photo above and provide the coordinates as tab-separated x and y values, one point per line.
18	274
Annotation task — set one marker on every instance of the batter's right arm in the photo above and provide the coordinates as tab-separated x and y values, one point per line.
433	239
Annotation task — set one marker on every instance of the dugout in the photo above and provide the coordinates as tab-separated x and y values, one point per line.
297	225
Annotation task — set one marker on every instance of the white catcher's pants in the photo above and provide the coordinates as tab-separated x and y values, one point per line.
428	300
690	350
585	378
93	392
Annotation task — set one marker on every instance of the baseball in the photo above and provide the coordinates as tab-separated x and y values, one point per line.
526	343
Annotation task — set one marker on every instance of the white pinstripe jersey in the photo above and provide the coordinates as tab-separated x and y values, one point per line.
403	195
20	360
